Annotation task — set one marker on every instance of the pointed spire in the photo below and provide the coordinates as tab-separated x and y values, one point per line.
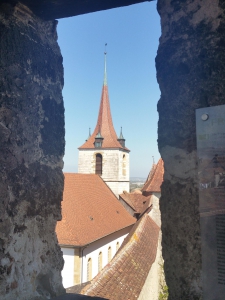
89	134
105	73
104	135
154	179
121	135
121	139
153	158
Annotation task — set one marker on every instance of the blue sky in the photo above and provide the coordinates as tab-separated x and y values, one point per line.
132	35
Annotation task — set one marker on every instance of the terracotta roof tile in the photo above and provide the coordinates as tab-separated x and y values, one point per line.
90	210
136	200
105	124
155	178
124	277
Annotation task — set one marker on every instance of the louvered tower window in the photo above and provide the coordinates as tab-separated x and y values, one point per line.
98	166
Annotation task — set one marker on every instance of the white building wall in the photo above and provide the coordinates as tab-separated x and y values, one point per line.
92	251
115	167
68	269
118	187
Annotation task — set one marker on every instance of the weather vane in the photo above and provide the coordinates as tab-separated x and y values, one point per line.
105	48
153	160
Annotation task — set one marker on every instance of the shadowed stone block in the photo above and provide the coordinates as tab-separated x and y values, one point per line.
191	75
55	9
31	151
77	297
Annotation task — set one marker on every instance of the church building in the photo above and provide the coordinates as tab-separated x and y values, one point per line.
104	153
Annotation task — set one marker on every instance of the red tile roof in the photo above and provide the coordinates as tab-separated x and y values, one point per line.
136	200
124	277
90	210
155	178
105	124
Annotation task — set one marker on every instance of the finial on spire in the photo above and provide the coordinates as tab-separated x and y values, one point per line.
89	134
121	134
153	160
121	139
105	74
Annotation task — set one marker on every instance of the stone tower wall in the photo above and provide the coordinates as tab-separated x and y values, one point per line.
115	167
31	151
191	74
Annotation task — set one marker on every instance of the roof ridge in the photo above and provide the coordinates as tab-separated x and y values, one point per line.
151	175
124	257
154	174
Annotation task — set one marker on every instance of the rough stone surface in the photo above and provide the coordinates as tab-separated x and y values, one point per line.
191	74
31	151
77	297
115	167
55	9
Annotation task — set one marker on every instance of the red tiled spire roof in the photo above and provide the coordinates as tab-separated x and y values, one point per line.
90	210
155	178
104	124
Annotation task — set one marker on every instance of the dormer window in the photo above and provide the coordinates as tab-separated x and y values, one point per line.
98	144
98	140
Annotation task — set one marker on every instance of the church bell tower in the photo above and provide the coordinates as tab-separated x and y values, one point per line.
103	152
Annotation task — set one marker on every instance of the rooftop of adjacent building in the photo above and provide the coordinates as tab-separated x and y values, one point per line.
104	128
138	202
154	179
141	200
90	211
127	272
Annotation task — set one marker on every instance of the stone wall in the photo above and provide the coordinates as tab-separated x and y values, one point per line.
113	166
191	74
31	151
